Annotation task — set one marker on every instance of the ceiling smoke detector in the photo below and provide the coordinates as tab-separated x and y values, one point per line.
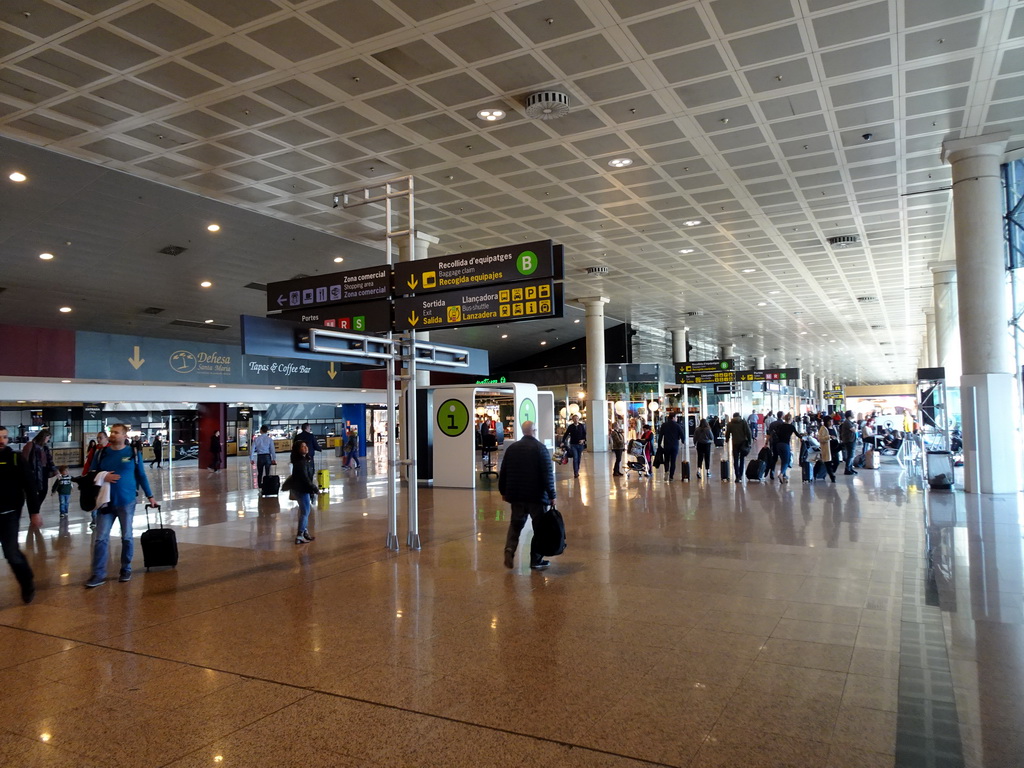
547	105
843	241
596	270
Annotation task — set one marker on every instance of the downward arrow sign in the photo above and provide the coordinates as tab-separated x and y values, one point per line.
413	319
412	282
331	372
135	360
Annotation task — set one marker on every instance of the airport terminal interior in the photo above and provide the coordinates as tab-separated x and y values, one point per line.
711	206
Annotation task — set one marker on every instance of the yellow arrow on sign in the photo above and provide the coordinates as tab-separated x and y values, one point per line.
412	282
413	319
136	361
331	372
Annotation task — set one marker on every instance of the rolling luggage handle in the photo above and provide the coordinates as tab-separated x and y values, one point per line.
159	515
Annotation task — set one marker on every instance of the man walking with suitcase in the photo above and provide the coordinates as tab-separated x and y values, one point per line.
266	456
122	473
527	482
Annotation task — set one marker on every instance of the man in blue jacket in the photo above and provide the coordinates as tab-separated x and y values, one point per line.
527	482
124	474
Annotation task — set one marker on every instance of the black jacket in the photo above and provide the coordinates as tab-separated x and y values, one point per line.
14	480
575	434
527	473
670	435
303	476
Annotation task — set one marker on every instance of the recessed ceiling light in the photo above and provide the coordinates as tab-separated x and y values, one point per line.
762	303
46	256
338	259
213	227
206	284
620	162
686	250
803	333
692	222
831	341
65	310
772	293
65	381
17	176
504	335
543	343
276	387
491	115
576	320
748	271
207	321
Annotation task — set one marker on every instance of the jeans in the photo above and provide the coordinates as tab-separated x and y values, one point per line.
849	449
262	468
617	469
353	458
520	511
784	452
65	502
670	459
738	462
105	517
704	456
576	451
305	501
9	542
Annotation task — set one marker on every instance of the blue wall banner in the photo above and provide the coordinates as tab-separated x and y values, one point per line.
140	358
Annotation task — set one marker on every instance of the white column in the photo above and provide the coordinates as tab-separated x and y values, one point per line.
988	389
929	336
728	351
679	341
759	362
422	248
947	320
597	406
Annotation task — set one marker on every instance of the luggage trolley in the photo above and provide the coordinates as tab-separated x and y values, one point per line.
638	461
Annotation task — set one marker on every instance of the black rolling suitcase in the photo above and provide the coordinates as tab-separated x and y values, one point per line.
805	472
756	470
271	485
159	545
684	470
724	470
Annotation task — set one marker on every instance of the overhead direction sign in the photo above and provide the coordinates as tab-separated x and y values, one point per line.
473	269
336	288
479	306
705	366
362	317
711	377
770	374
838	393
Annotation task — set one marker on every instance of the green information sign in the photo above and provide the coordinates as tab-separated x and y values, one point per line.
527	411
453	417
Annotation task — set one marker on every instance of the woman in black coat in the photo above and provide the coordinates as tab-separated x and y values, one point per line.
302	485
215	451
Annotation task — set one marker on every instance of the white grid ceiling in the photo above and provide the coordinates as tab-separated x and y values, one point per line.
748	115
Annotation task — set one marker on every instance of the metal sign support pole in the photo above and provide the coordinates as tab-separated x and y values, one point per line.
412	431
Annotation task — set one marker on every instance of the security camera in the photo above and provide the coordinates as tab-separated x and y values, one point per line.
868	136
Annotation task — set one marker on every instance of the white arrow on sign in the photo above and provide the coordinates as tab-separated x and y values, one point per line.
281	300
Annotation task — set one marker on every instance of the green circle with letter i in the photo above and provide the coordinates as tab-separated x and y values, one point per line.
527	411
453	417
527	263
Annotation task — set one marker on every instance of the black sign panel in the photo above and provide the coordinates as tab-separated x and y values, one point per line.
834	394
473	269
711	377
479	306
336	288
362	317
770	374
704	366
92	411
723	389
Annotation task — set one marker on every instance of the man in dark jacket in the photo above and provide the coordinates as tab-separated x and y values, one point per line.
14	484
575	440
737	431
527	482
848	437
307	437
668	440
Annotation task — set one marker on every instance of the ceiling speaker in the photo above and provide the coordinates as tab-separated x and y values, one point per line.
547	105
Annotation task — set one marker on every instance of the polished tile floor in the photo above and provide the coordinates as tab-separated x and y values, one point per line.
863	624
